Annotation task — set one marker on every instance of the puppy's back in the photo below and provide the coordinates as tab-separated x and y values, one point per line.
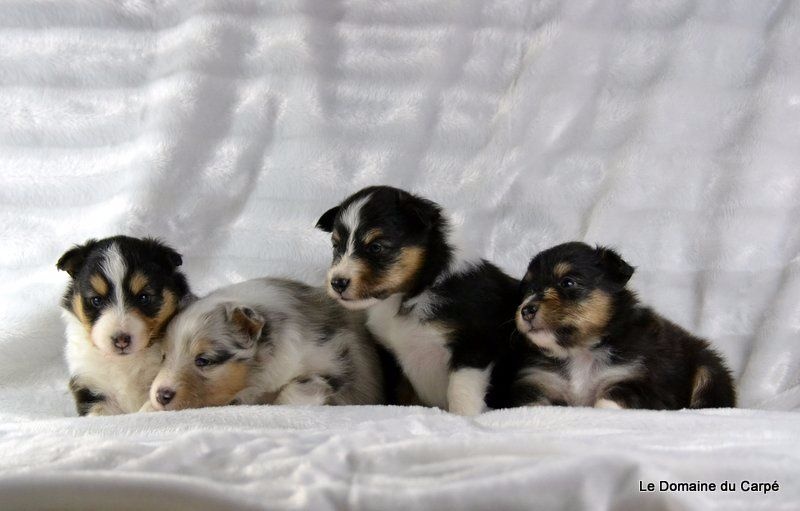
711	384
361	381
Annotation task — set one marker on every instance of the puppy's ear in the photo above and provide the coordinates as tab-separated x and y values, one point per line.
615	268
73	259
325	222
247	320
167	257
420	212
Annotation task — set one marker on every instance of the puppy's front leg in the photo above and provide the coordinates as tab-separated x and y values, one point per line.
628	394
313	391
104	408
147	407
91	402
466	390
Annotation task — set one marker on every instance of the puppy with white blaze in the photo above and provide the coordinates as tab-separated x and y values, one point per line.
122	293
267	341
446	320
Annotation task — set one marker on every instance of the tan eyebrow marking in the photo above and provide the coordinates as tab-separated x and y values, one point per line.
562	269
372	235
336	236
138	282
77	308
99	284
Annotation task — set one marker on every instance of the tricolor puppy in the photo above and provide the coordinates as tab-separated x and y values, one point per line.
446	320
604	348
122	293
267	341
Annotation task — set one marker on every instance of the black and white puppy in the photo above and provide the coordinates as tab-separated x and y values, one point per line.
122	293
446	320
267	341
604	349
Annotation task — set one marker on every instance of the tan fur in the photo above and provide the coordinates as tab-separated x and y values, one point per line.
155	324
589	316
562	269
702	378
77	308
402	273
218	388
228	380
361	280
138	282
398	278
372	235
250	325
550	312
99	284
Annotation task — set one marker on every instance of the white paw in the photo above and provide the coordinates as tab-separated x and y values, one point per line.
466	391
607	404
539	402
147	407
467	409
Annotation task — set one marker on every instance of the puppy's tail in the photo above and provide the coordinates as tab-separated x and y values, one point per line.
712	387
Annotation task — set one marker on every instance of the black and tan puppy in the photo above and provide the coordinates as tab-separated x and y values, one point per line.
444	317
602	347
122	293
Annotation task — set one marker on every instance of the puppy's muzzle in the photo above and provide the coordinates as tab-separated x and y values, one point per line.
164	395
121	341
339	284
529	311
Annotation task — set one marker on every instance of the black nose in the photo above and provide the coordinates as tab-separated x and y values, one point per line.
121	340
339	284
164	395
529	311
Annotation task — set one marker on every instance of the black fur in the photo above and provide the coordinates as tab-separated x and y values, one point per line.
478	305
672	358
85	398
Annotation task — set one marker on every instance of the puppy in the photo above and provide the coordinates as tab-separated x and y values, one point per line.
122	293
267	341
445	319
603	348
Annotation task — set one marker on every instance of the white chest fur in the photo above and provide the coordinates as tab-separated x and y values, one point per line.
585	377
123	380
419	345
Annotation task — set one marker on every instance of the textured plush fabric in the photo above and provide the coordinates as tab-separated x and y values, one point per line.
668	130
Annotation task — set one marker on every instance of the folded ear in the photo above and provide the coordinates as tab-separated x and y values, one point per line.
247	320
325	222
419	212
166	256
73	259
615	268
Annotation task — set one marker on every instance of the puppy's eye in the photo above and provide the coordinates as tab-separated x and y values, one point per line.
567	283
201	361
335	244
375	248
143	299
97	302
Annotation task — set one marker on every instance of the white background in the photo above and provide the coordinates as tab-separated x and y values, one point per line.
669	130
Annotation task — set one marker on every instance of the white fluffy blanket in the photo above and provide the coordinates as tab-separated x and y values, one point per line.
666	129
